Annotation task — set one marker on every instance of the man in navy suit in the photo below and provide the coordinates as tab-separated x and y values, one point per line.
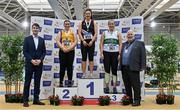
133	60
34	51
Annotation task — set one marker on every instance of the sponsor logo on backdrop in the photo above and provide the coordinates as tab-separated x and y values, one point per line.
138	36
125	23
47	37
37	20
48	45
102	30
101	75
56	30
103	24
124	91
48	60
47	67
137	29
101	68
56	53
56	60
48	52
117	23
55	45
95	53
47	75
56	83
101	60
78	68
72	24
79	75
78	46
47	30
78	60
78	54
136	21
46	91
58	23
56	75
56	68
125	30
48	22
40	29
46	83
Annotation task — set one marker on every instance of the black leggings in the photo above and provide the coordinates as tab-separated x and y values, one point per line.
66	61
87	51
111	62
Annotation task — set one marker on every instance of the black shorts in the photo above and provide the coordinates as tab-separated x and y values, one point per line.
111	62
86	50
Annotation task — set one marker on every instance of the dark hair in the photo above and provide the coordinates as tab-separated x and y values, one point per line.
88	9
66	21
36	24
111	20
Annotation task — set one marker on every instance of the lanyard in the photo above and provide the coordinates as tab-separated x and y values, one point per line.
129	45
88	25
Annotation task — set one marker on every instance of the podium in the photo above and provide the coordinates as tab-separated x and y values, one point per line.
89	88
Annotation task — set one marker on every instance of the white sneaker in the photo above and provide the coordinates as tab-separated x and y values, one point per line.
91	75
110	89
84	75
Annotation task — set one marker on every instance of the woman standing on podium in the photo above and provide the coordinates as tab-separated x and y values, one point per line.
66	41
87	32
110	49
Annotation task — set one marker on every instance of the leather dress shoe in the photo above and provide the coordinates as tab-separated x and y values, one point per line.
38	103
25	104
136	103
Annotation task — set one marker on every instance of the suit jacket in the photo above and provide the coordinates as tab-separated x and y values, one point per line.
30	52
137	57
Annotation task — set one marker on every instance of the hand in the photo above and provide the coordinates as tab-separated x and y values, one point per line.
33	62
56	39
65	50
84	43
68	49
38	62
119	57
101	56
90	43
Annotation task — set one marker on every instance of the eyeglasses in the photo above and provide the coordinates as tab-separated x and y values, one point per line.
130	34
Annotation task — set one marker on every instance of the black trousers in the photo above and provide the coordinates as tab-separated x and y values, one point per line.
66	62
111	62
29	71
131	80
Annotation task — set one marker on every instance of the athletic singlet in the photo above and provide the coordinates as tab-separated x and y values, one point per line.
111	41
67	38
87	29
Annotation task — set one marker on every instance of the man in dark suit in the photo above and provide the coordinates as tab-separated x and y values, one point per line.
34	51
133	60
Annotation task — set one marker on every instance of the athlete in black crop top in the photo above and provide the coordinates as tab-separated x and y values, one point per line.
87	32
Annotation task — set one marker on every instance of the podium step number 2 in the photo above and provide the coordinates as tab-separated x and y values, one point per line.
66	93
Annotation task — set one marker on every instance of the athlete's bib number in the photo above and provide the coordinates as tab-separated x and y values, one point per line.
87	35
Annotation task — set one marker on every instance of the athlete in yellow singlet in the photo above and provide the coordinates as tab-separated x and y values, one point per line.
66	41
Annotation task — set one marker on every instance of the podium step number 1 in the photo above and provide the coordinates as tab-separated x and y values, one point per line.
90	88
